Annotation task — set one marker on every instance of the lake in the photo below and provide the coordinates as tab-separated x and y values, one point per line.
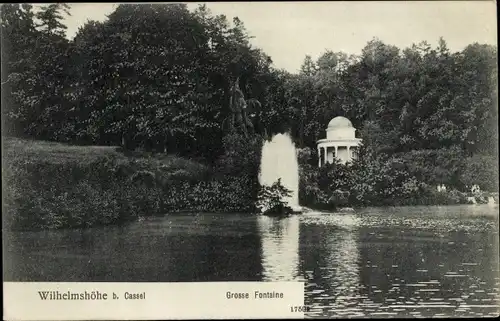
375	262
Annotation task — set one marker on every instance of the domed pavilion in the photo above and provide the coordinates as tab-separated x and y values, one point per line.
340	142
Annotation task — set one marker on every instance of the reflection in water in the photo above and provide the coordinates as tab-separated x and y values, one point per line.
431	261
377	262
280	248
334	281
344	255
172	249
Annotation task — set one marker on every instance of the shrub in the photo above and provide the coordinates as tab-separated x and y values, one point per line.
305	157
481	170
379	180
435	167
272	198
143	178
41	194
51	192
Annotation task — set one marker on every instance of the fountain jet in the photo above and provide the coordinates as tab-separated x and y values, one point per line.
279	160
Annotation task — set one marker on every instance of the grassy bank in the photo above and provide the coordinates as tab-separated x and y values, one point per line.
53	185
50	185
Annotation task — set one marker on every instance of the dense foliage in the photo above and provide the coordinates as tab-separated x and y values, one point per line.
160	78
59	186
399	179
271	200
155	77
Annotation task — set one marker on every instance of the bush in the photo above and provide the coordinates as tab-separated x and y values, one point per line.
49	190
237	171
309	192
481	170
305	157
448	197
271	199
382	180
323	188
46	195
435	167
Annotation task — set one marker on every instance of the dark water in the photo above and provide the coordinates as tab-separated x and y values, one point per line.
401	262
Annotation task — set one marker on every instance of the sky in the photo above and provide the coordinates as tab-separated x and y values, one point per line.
288	31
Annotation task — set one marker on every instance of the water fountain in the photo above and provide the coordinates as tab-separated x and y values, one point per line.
279	160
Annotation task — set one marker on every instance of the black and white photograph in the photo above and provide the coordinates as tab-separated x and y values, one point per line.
350	146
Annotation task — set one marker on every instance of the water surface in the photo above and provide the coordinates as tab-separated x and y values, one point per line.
384	262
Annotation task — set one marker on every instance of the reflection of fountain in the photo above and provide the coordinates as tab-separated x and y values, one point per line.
279	160
280	248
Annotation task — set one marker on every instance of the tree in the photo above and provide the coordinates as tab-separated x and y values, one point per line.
271	201
50	17
35	59
308	67
52	73
18	40
162	78
154	91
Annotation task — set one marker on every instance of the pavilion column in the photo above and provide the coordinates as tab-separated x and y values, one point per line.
319	156
349	152
336	151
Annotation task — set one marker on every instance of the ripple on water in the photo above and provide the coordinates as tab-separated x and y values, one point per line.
425	276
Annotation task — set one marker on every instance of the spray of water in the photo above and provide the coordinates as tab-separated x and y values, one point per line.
279	160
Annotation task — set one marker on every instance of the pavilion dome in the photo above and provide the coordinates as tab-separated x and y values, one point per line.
339	122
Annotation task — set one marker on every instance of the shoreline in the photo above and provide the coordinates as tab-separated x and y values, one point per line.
51	186
186	213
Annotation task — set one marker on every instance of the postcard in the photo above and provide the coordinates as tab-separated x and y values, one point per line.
250	160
